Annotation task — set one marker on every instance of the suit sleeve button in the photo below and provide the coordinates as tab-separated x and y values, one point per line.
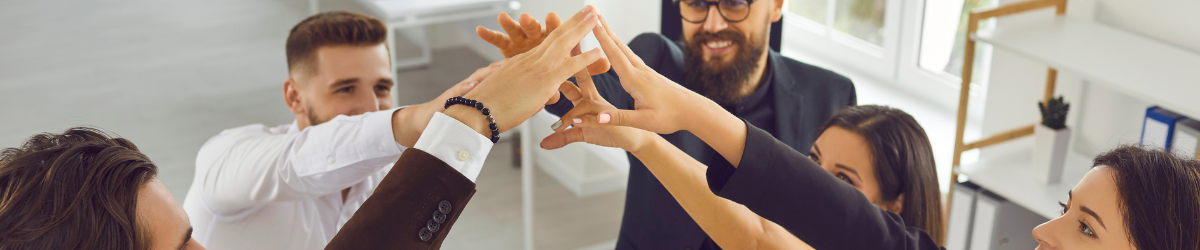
445	207
425	234
432	225
439	217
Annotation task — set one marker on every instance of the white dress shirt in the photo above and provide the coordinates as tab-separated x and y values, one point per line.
259	187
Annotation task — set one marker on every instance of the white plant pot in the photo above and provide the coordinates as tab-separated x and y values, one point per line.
1049	153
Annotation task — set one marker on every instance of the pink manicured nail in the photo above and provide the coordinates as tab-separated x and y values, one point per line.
577	120
603	118
472	83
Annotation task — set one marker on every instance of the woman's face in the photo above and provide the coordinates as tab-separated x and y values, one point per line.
847	156
1091	217
166	222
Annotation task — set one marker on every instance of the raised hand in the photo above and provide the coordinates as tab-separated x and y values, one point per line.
662	106
529	80
526	35
521	37
588	102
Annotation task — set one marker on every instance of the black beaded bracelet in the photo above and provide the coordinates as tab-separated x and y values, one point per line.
459	100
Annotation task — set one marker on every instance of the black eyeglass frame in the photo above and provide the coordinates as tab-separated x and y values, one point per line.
710	5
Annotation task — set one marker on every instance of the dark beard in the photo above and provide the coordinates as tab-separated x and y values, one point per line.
312	117
717	80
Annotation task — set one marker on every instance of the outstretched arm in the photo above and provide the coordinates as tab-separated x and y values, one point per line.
772	179
731	225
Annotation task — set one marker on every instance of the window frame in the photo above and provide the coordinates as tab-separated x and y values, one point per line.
896	62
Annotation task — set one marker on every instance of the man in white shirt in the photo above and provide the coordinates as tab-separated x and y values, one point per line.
293	186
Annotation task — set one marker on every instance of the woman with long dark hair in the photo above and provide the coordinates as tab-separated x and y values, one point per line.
880	151
1133	198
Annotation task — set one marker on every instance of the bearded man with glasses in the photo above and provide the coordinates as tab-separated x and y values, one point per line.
723	56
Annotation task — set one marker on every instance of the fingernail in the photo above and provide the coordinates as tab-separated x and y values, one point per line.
603	118
472	83
556	124
577	120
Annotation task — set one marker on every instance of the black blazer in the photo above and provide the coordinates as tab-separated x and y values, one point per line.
784	186
413	208
804	97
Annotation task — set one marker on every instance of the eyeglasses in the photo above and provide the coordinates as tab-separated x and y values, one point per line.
696	11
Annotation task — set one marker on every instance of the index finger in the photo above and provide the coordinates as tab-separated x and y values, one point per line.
552	22
532	28
616	56
586	86
629	55
561	45
493	37
578	17
510	26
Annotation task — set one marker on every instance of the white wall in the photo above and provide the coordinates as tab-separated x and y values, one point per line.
1101	118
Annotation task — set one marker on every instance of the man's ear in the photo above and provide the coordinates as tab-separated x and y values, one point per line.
291	96
777	10
896	206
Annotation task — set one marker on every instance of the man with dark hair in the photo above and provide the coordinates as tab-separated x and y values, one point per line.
293	186
723	56
263	188
85	190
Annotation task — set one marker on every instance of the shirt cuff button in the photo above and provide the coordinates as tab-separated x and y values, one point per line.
463	155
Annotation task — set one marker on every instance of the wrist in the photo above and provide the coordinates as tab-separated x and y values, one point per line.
471	117
649	140
409	122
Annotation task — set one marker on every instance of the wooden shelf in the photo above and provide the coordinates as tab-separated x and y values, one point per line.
1142	68
1009	174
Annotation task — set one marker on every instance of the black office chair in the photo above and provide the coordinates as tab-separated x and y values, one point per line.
672	27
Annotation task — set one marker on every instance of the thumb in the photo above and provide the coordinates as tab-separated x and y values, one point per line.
642	119
562	138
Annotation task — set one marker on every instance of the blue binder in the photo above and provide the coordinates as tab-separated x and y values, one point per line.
1158	129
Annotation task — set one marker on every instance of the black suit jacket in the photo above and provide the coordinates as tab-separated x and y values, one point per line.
784	186
401	213
804	97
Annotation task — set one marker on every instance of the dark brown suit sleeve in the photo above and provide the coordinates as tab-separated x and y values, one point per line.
414	207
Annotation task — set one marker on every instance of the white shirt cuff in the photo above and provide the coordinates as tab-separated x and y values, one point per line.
456	144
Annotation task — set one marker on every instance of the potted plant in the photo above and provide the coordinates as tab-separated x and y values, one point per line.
1050	141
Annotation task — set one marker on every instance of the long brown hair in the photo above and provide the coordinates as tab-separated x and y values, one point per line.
1160	196
903	160
75	190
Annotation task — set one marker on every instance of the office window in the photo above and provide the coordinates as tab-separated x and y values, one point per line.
944	35
863	19
917	44
813	10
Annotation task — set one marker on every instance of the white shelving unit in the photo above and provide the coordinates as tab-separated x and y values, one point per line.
1128	63
1008	174
1136	66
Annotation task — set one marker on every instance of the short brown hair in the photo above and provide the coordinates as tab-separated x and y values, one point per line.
75	190
331	29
